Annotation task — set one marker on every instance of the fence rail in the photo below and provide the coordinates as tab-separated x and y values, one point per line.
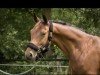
12	60
31	65
35	69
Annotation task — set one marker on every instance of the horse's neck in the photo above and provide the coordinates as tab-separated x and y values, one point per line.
67	38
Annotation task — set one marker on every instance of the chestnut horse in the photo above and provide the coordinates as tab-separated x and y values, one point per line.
82	49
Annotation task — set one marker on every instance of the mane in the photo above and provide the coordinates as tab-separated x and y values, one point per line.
66	23
62	22
59	21
70	26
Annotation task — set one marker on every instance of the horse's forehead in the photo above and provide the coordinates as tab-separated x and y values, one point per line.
38	27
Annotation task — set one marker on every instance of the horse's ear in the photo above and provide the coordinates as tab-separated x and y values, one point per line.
44	19
36	19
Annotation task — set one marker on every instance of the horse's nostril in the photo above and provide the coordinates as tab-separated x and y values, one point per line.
30	55
27	57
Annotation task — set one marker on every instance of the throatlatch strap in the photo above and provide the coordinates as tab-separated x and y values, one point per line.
51	26
50	31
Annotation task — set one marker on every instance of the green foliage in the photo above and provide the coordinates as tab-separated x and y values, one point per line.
85	18
15	26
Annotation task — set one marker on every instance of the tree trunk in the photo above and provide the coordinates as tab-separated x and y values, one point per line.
47	12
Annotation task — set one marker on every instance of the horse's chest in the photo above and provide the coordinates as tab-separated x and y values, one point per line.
77	61
85	63
76	68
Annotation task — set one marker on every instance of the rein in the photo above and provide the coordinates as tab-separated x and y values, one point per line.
42	50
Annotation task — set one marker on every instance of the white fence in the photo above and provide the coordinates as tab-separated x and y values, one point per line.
33	69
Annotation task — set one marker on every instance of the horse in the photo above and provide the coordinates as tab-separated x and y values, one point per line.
82	49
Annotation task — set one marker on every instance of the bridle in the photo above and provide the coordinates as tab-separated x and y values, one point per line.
42	50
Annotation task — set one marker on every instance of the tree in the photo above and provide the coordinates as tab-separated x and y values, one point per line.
47	12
